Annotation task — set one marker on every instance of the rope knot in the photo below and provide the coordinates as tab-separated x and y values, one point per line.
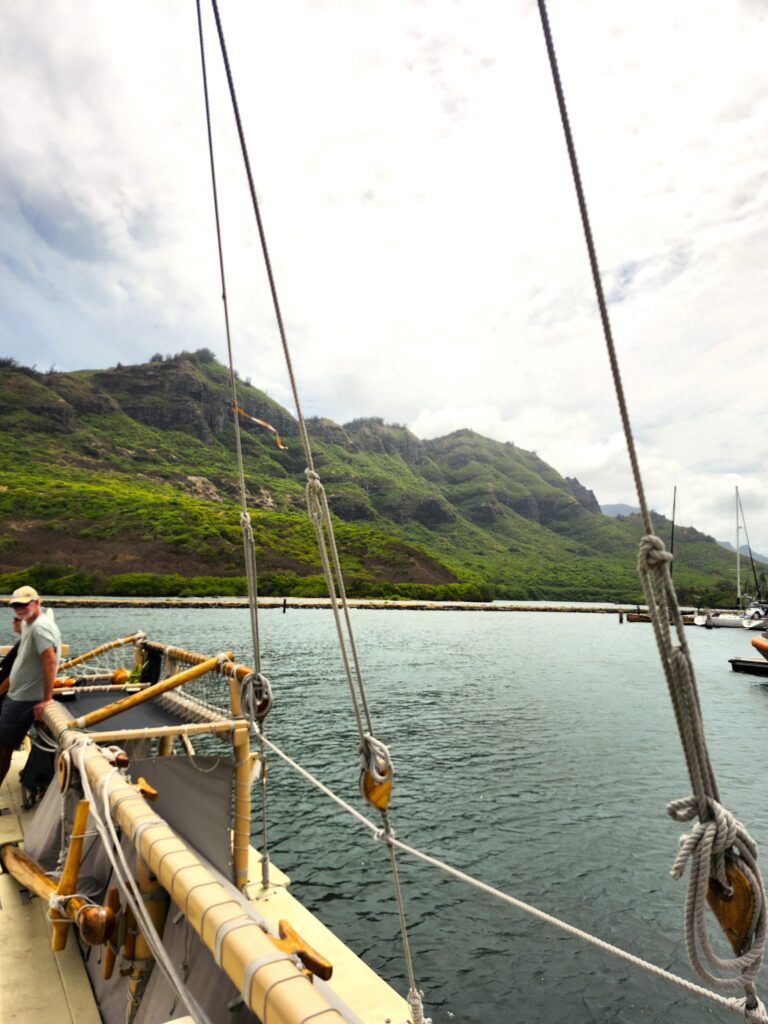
712	837
652	552
313	480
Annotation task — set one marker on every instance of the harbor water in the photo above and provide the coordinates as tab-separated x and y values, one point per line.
535	752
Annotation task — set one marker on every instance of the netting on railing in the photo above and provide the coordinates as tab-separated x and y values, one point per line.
112	662
211	690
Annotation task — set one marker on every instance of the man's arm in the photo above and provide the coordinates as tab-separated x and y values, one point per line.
49	662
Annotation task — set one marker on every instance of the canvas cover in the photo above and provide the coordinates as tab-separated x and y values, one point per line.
195	797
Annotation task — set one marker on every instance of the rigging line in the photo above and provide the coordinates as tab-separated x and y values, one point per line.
661	598
749	549
262	234
653	566
311	472
248	539
600	294
730	1003
315	488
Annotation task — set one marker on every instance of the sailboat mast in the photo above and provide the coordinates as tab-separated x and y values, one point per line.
672	536
738	553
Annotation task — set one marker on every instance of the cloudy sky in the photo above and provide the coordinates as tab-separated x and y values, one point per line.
420	215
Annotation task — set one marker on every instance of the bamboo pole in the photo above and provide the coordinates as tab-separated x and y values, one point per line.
68	881
101	650
165	746
101	714
241	833
152	732
277	986
156	901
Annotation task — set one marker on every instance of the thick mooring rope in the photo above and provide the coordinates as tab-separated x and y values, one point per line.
709	844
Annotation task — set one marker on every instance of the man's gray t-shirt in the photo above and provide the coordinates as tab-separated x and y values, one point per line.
27	672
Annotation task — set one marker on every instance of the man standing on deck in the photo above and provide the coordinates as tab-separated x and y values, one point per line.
6	664
32	675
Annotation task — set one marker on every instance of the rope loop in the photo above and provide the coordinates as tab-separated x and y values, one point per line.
708	846
376	759
717	835
753	1008
256	697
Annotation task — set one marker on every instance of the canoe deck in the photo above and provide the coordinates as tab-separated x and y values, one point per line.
39	985
36	984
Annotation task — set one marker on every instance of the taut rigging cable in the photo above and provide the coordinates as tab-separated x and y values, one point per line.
249	549
376	766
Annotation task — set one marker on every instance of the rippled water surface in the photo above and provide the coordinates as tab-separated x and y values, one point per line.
534	751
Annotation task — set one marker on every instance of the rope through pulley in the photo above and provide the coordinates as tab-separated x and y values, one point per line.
317	504
723	856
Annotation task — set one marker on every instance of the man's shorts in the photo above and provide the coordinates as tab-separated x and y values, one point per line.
16	716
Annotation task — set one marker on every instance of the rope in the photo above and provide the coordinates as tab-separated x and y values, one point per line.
127	884
754	1014
249	544
654	568
317	504
708	844
245	520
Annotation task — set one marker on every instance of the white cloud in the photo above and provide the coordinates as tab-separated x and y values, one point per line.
421	220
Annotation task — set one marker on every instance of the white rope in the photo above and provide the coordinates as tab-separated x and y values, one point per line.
718	835
706	847
755	1016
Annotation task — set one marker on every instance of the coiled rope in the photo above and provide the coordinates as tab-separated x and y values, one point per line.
714	838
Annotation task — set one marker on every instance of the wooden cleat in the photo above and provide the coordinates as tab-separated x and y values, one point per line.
291	942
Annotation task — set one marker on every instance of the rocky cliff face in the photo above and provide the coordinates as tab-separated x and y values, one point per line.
585	497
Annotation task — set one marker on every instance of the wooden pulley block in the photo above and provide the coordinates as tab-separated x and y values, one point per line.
64	770
733	911
376	793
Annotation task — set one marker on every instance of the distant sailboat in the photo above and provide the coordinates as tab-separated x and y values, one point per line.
754	615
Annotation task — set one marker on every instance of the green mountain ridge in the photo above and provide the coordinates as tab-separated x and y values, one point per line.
124	481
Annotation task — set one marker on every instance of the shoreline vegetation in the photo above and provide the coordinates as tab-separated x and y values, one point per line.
283	603
128	488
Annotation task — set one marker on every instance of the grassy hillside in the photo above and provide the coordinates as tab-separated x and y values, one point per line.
123	481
